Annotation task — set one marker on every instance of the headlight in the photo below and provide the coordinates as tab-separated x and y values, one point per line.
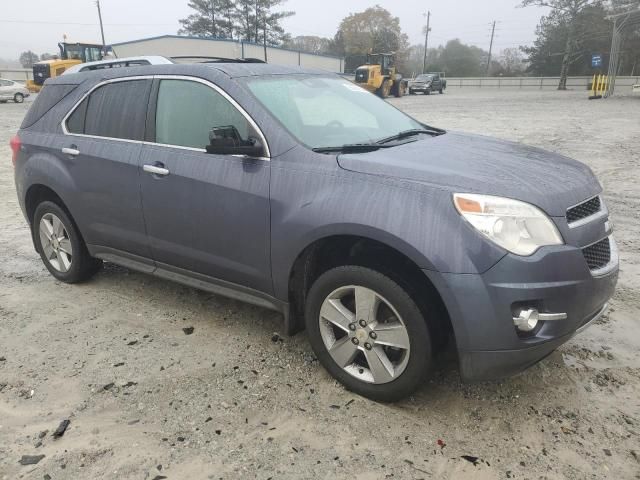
516	226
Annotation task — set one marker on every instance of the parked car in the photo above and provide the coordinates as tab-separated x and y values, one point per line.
635	89
427	83
119	63
299	191
10	90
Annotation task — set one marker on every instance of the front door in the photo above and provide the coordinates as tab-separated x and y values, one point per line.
204	213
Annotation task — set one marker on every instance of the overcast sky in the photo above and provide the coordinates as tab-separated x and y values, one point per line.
42	23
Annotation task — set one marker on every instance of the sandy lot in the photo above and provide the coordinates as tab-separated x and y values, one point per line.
233	400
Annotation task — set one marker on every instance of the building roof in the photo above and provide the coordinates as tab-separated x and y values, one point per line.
206	39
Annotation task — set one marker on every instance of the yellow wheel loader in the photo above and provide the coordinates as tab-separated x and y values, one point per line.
70	54
379	76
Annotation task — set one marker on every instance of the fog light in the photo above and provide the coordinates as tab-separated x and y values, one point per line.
527	319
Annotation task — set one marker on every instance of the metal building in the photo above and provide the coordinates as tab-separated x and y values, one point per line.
182	46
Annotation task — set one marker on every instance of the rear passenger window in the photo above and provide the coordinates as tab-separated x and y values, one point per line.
115	110
187	111
75	123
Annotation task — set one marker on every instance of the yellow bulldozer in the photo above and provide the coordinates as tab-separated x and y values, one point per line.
379	76
70	54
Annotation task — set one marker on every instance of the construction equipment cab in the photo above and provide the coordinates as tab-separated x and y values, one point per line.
70	54
379	76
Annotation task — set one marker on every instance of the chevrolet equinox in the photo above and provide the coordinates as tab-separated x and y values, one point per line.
297	190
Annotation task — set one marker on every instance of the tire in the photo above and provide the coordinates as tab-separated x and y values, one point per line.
441	91
427	92
396	313
411	92
18	98
66	257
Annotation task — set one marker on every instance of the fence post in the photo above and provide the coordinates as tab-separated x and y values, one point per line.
499	83
541	80
520	83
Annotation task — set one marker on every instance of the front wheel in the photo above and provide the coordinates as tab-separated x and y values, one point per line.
18	98
368	332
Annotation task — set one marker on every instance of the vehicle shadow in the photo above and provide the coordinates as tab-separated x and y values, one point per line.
444	392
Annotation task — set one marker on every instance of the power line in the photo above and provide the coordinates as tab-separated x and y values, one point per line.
41	22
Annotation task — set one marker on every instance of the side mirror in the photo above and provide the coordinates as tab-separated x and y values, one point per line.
227	141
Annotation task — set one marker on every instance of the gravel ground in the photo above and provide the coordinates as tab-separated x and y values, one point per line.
234	399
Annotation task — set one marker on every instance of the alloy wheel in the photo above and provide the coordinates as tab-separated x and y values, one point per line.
55	242
364	334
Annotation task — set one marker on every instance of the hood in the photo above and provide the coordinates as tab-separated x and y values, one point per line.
475	164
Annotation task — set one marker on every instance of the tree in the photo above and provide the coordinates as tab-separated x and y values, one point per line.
250	20
309	43
591	32
566	12
460	60
374	30
28	58
212	18
512	62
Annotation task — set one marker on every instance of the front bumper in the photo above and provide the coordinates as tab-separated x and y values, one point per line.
482	306
420	88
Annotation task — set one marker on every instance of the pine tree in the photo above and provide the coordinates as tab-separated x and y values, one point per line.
248	20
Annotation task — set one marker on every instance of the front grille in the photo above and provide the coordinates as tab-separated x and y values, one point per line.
362	75
41	72
598	255
584	210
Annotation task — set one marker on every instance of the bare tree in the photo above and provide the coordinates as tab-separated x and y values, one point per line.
570	9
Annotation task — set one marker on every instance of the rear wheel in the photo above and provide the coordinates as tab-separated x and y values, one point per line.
441	91
60	245
18	98
368	332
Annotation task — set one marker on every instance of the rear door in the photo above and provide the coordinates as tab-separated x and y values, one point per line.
205	213
101	146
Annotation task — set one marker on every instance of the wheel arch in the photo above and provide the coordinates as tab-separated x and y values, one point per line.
334	250
34	196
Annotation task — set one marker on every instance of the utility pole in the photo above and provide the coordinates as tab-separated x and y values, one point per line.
493	31
264	36
101	28
426	43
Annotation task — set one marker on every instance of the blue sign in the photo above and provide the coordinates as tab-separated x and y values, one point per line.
596	61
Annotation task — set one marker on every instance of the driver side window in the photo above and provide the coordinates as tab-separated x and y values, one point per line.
188	111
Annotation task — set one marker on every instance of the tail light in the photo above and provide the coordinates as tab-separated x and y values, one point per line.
15	145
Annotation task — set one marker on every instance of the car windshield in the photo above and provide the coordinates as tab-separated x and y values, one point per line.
424	78
328	111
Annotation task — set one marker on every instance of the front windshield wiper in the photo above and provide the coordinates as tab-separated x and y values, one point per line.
350	148
409	133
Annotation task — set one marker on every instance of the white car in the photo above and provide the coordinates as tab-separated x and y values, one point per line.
10	90
635	89
119	63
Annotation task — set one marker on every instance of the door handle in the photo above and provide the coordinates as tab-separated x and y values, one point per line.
155	170
71	151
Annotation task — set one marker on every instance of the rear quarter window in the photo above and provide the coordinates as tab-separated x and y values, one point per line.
48	98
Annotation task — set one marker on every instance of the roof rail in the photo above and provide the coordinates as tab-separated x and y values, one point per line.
205	59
